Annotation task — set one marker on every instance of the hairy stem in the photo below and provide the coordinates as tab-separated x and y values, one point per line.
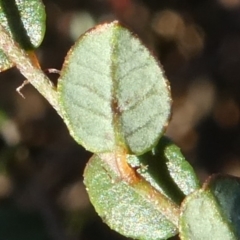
29	68
163	204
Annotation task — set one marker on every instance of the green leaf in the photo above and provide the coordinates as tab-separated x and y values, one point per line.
167	170
180	170
113	93
122	206
25	22
212	212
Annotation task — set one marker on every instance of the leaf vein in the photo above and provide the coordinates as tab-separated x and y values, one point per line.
138	128
94	112
130	71
125	61
144	97
94	70
91	90
88	51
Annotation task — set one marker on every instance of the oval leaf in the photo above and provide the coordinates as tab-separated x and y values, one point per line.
212	212
25	22
122	207
167	170
113	93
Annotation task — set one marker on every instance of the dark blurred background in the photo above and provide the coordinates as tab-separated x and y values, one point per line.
198	44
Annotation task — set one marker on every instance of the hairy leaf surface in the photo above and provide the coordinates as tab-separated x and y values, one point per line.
123	207
113	92
212	212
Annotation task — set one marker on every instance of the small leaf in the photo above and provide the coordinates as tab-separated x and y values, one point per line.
122	207
25	21
212	212
180	169
113	93
167	170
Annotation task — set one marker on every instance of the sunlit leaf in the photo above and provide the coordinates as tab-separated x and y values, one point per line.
25	21
122	207
212	212
113	92
179	168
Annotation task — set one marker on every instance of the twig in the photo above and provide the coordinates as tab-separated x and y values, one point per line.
162	203
52	70
28	68
19	89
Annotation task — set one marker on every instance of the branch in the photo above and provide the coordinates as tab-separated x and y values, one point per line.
29	68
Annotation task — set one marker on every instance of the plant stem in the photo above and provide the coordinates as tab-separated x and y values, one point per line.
164	205
127	174
29	68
